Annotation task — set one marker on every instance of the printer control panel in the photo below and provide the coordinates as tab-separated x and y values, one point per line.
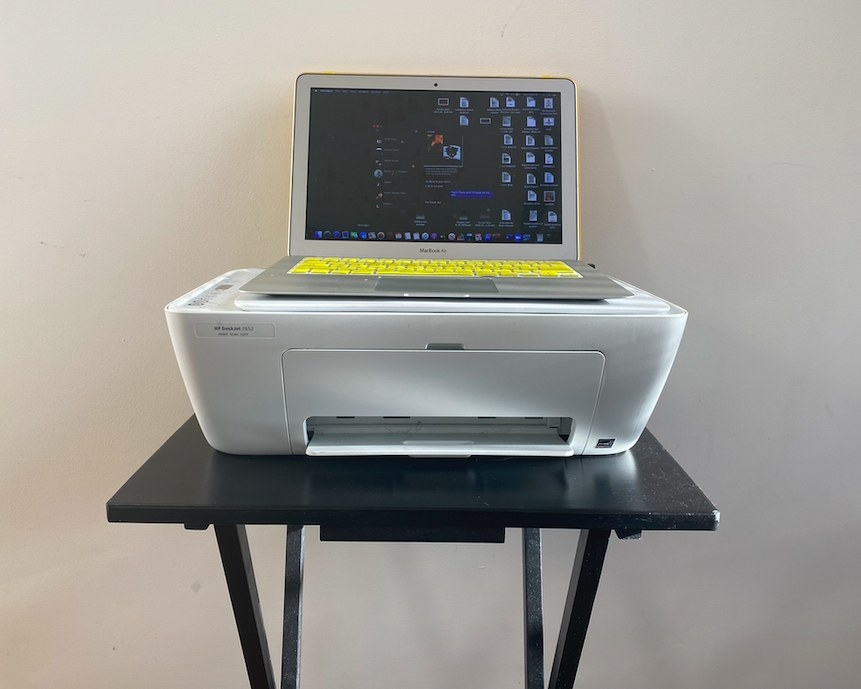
221	292
214	296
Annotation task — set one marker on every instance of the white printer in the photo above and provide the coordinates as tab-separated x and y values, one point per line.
347	376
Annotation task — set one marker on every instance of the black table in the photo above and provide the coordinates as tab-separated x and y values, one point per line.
401	499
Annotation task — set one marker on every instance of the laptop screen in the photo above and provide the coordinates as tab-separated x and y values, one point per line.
448	165
432	166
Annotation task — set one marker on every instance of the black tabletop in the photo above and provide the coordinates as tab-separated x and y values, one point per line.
187	482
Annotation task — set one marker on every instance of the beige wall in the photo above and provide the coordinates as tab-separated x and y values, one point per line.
144	148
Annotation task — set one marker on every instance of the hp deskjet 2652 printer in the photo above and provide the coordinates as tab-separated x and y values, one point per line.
346	376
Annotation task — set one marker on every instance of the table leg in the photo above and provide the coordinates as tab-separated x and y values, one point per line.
533	613
588	562
236	560
291	647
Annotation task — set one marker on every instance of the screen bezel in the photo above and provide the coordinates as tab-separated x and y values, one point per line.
569	249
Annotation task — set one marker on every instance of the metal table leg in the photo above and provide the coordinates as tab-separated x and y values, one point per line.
292	640
236	560
533	613
591	549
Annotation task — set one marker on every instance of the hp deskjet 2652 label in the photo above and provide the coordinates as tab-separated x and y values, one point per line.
254	330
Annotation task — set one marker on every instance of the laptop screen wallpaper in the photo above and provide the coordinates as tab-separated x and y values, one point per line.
431	166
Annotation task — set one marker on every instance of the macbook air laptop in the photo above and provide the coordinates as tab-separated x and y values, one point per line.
450	187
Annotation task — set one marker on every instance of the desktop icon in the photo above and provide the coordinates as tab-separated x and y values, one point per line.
451	152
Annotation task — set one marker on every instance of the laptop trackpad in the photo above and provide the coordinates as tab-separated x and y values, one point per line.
434	285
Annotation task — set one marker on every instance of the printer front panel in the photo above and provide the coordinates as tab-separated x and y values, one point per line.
638	352
478	387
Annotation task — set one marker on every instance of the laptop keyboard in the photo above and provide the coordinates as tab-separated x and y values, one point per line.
434	267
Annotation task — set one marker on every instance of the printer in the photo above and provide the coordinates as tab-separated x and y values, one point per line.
424	378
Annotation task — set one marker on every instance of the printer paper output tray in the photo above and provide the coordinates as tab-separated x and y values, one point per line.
434	438
431	445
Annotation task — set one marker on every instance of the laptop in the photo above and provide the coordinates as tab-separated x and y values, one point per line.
443	187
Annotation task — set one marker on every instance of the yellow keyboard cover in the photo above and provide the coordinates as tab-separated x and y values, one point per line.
430	267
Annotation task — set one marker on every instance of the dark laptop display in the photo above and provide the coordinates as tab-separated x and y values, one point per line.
432	167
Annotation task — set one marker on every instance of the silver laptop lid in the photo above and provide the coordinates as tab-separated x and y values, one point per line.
423	166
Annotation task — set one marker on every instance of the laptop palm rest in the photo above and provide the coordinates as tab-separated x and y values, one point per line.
435	285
